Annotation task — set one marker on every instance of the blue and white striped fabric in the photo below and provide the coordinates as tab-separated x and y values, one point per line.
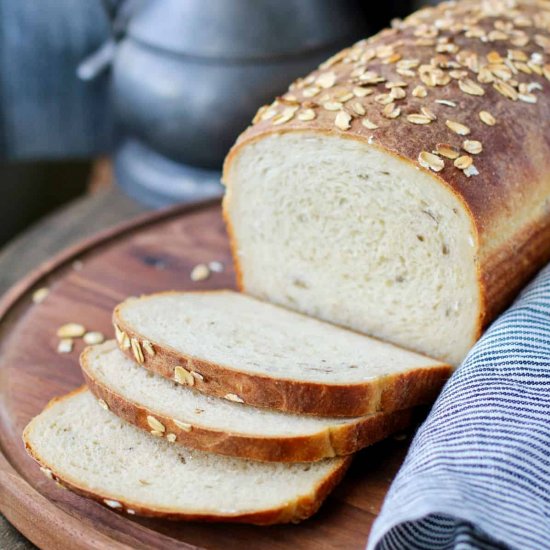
478	471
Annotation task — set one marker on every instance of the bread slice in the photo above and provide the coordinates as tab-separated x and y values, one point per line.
96	454
230	345
217	425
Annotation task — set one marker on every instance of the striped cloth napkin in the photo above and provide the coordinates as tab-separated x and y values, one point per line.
478	471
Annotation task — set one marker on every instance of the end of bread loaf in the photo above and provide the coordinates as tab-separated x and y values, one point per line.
349	233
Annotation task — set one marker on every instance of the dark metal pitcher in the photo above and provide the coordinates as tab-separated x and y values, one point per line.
189	75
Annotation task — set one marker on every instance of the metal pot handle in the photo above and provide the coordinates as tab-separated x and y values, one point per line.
119	13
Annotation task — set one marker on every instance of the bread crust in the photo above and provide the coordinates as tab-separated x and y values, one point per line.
291	512
508	202
385	394
337	440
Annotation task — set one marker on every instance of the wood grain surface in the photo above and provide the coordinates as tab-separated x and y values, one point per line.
154	253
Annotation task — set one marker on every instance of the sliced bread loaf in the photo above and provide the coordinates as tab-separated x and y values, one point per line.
379	192
200	421
230	345
93	452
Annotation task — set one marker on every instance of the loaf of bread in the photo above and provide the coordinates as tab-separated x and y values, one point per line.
187	417
230	345
92	452
403	188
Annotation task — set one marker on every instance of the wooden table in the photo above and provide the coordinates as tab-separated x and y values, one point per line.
79	219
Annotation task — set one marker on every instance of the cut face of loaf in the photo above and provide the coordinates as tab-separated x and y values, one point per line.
230	345
402	189
190	418
346	232
96	454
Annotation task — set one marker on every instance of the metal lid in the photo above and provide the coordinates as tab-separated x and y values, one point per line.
245	29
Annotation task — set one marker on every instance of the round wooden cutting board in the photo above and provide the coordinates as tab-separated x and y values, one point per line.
155	252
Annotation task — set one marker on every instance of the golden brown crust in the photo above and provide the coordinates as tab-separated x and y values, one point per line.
385	394
332	441
492	45
507	269
301	508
